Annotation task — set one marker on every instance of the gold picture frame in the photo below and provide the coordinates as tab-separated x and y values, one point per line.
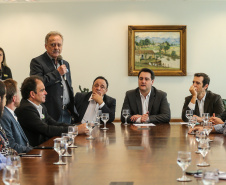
159	48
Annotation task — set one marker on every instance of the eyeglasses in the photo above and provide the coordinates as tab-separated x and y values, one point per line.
56	44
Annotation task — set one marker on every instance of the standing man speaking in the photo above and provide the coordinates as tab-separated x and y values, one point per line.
56	76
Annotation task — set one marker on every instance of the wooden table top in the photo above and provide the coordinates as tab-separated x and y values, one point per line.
123	154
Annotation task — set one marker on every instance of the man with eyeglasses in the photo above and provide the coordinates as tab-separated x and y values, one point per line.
87	104
57	79
202	100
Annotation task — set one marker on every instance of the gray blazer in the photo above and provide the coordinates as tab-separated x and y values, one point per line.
213	104
43	66
15	134
159	111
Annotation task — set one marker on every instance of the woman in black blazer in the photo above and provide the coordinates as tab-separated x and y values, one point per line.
5	71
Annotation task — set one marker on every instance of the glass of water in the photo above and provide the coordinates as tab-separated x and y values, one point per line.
125	114
67	139
99	113
10	177
203	148
205	118
73	130
193	122
60	148
90	127
210	176
105	118
189	114
184	160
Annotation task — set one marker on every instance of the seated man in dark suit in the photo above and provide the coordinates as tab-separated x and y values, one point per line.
201	100
32	114
146	103
87	104
15	134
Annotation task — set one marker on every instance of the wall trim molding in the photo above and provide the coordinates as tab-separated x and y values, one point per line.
172	120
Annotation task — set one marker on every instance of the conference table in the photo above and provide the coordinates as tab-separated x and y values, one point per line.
123	155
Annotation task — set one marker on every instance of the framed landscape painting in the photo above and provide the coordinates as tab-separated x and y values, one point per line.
159	48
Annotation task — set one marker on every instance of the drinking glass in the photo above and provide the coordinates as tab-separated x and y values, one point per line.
60	148
192	123
203	148
210	176
205	118
12	164
90	127
199	135
189	114
184	160
13	161
99	113
73	130
105	118
208	128
125	113
10	178
67	139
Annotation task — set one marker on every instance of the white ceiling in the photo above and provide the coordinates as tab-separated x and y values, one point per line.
53	1
59	1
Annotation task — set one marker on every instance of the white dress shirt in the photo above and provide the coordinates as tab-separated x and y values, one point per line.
91	111
145	103
200	105
39	108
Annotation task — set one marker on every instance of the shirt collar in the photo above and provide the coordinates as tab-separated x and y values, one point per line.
203	99
36	106
10	110
147	95
50	57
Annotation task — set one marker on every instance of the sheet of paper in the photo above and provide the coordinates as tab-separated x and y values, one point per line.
183	123
143	124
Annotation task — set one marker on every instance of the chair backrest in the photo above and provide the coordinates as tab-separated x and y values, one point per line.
224	103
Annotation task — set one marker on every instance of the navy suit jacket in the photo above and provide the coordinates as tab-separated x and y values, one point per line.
82	102
44	67
159	111
15	134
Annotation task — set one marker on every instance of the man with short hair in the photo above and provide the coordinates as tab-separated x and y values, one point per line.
15	134
87	104
201	100
146	103
37	124
56	76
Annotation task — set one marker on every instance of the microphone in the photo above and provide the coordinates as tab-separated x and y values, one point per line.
60	59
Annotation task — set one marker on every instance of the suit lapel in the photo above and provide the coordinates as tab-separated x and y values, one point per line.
206	102
151	100
85	104
197	108
19	129
138	101
49	62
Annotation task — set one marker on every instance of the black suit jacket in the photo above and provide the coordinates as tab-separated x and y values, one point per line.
36	129
44	67
82	102
5	72
159	111
213	104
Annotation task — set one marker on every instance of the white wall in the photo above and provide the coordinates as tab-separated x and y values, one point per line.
96	41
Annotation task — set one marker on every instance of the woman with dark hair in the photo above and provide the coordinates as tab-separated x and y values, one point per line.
5	71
